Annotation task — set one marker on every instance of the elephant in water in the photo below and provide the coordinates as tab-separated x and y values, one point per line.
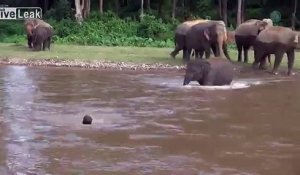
276	40
216	71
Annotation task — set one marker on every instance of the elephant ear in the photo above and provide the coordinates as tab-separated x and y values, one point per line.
296	39
206	34
261	24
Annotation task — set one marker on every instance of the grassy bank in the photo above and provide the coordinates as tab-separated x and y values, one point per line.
139	55
86	54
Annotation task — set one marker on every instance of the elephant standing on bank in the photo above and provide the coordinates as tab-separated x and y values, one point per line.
276	40
204	36
30	24
246	33
215	71
180	35
41	37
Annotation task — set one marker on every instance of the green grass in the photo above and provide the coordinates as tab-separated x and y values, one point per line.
147	55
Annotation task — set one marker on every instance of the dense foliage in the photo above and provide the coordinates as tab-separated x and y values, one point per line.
120	24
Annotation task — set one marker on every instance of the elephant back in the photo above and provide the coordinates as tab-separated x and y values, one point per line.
250	28
185	26
278	34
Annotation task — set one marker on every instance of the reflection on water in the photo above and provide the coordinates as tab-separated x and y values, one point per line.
146	123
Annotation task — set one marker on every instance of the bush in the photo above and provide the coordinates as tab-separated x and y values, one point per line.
105	30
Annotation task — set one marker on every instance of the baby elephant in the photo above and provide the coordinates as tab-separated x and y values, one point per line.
214	71
41	37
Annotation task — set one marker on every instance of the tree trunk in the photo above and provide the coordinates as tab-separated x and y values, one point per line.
86	8
148	4
239	10
78	14
142	9
220	8
294	14
101	6
174	9
117	4
224	11
243	11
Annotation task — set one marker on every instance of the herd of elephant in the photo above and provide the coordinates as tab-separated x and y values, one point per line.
202	36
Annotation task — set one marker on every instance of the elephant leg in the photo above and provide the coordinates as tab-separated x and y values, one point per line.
278	58
207	53
29	41
240	49
187	54
226	51
214	49
175	52
257	58
201	53
262	64
246	48
291	58
45	44
269	59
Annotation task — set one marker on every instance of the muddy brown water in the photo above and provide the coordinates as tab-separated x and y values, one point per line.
146	123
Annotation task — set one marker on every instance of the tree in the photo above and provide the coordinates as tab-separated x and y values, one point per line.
78	14
101	6
142	9
83	9
223	10
148	4
294	14
174	9
239	13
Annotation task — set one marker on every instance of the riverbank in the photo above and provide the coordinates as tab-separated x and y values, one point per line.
121	58
94	57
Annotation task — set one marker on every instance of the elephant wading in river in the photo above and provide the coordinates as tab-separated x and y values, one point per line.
215	71
41	37
30	24
180	35
276	40
205	36
246	33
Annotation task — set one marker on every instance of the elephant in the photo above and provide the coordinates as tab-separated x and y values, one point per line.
205	36
180	34
30	24
276	40
245	35
41	37
216	71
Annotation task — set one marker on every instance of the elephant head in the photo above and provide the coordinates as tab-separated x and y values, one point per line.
268	21
261	25
31	24
196	70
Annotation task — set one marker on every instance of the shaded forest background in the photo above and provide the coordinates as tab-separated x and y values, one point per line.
140	22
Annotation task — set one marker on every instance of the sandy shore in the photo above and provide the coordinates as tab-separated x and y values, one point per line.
94	64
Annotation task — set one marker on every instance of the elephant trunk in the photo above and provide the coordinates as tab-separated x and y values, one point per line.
186	81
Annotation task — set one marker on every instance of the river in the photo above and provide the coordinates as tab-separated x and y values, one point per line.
146	122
